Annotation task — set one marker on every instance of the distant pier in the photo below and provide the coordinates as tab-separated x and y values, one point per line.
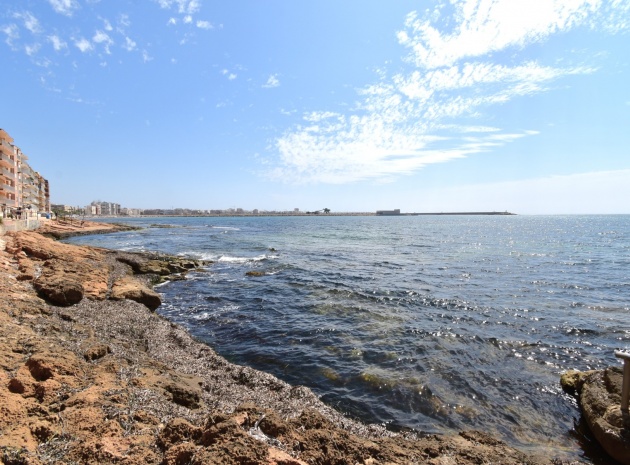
397	213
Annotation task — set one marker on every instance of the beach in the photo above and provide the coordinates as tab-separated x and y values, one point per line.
99	377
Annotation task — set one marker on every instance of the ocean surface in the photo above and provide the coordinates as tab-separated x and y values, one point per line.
432	323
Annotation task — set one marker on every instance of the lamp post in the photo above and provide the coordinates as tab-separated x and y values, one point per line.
625	390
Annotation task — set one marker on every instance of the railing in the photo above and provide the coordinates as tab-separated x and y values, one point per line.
625	389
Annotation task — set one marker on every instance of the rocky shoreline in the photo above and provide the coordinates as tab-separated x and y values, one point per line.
90	374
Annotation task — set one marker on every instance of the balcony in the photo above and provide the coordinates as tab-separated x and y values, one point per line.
5	161
6	172
8	188
6	147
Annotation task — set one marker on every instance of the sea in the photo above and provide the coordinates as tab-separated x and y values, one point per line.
427	323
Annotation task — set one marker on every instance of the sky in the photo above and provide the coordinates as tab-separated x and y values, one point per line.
354	105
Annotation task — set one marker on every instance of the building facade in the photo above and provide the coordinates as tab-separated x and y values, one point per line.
23	191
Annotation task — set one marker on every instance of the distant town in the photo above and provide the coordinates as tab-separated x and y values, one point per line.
110	209
25	195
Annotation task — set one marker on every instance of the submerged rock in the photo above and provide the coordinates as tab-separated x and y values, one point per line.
255	274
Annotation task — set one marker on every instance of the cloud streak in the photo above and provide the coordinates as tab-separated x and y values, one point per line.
407	121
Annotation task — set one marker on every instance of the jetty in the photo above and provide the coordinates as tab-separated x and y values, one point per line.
398	213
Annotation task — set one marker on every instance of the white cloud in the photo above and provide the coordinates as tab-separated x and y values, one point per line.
146	57
64	7
187	19
30	22
102	38
272	81
231	76
107	25
183	6
123	22
204	25
57	43
172	21
12	32
129	45
32	49
83	44
488	26
410	120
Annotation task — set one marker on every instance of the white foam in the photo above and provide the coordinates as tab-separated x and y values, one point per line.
228	259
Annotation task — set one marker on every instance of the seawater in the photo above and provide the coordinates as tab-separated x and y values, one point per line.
433	323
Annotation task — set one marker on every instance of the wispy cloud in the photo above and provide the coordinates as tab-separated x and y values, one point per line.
409	120
64	7
182	6
30	22
57	43
129	45
272	81
31	49
204	25
231	76
12	33
83	44
103	39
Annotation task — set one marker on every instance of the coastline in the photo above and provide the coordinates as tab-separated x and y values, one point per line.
106	380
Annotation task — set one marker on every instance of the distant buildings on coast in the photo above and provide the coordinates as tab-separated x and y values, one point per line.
24	193
109	209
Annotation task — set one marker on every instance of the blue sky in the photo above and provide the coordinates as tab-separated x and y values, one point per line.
519	105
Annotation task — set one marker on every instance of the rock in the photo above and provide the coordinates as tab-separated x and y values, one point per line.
59	289
600	399
129	288
572	380
255	273
185	391
96	352
176	431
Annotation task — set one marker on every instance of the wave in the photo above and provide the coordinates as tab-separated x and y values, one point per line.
259	258
227	228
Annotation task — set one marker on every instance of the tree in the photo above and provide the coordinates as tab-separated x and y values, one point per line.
326	210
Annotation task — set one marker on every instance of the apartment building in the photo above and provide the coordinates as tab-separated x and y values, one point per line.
8	172
98	208
22	189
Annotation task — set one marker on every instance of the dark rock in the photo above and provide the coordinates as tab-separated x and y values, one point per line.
59	290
